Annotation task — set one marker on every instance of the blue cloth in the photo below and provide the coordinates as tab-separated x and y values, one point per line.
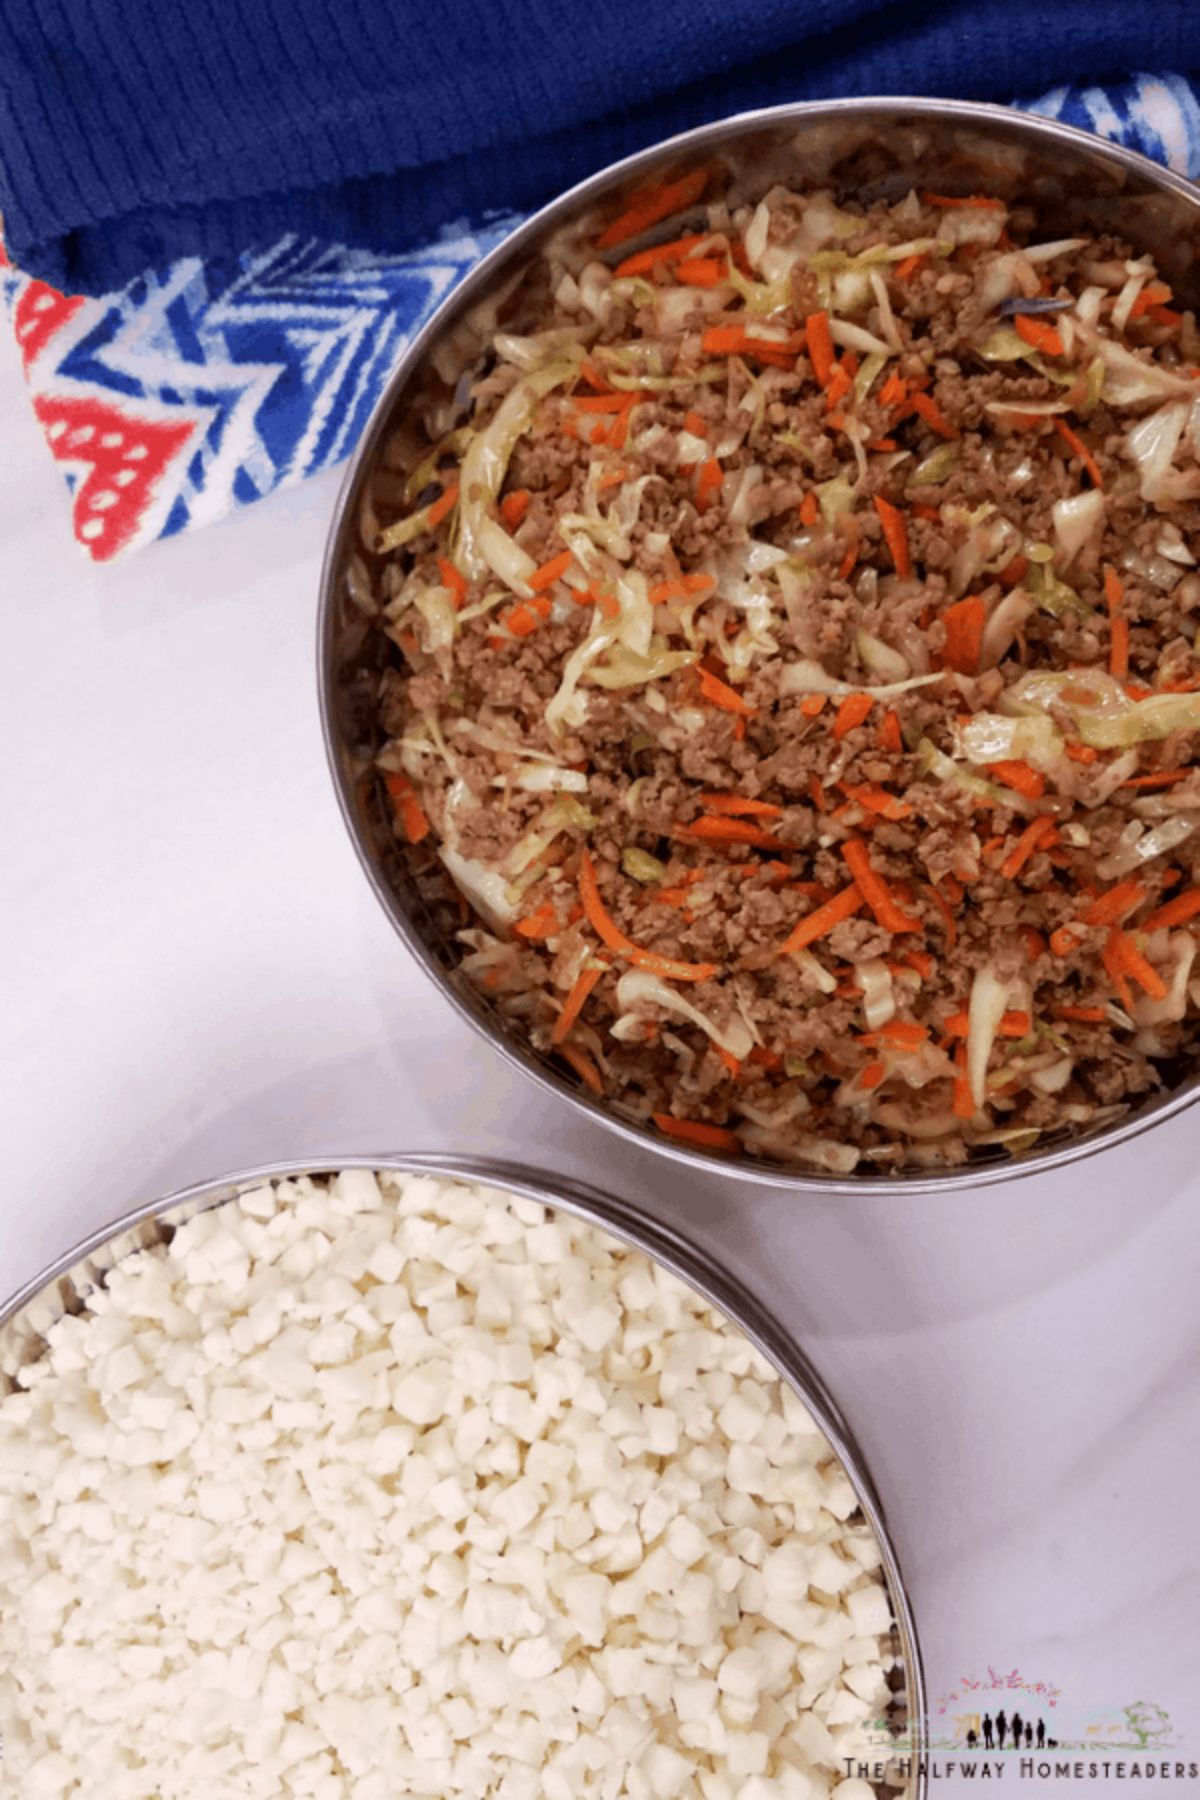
133	132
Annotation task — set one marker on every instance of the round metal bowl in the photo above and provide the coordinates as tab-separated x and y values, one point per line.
65	1287
868	148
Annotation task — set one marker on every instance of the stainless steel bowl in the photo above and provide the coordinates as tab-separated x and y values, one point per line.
64	1288
865	147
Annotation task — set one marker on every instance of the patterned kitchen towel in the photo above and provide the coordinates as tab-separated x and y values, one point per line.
210	381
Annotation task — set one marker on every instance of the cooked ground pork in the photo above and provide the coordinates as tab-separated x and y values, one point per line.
792	676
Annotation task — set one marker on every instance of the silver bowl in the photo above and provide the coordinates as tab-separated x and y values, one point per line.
65	1286
872	148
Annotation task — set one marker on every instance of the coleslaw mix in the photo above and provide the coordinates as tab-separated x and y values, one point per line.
792	677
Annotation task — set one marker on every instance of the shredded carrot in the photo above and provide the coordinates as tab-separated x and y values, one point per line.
874	888
583	1066
514	506
1012	1025
523	618
1118	654
1014	572
575	1002
1040	333
908	266
1178	911
1155	293
921	963
729	1059
877	800
1082	753
883	443
620	425
1034	942
610	933
715	830
409	810
985	200
852	712
820	346
896	536
733	804
453	579
1115	906
964	622
894	391
817	794
701	271
643	261
602	597
809	509
605	927
1066	940
847	527
906	1034
871	1076
726	340
888	737
1123	958
550	572
1076	444
709	481
719	693
695	424
765	1059
838	386
813	705
538	924
650	204
1081	1015
443	504
1020	777
1039	831
964	1099
823	918
695	1131
1164	315
927	408
590	373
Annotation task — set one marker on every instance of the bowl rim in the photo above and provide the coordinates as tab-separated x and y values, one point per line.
1039	130
665	1243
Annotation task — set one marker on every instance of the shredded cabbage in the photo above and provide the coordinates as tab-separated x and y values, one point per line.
637	988
807	677
993	737
986	1008
485	464
932	761
1076	520
1105	716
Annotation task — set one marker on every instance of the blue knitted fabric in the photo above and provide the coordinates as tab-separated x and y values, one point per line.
136	131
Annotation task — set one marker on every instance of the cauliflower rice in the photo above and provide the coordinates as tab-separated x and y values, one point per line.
382	1485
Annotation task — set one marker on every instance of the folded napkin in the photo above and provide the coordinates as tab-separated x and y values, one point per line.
220	373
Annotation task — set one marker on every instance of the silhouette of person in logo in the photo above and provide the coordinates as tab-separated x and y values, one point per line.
1018	1726
1001	1728
1041	1734
972	1739
988	1738
1029	1737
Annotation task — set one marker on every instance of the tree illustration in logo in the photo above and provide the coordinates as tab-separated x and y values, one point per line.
1147	1722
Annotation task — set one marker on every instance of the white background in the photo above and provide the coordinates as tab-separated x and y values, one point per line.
197	978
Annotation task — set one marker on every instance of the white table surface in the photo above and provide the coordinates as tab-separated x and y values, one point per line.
198	978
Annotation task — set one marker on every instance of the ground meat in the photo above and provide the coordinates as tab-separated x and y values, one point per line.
772	659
